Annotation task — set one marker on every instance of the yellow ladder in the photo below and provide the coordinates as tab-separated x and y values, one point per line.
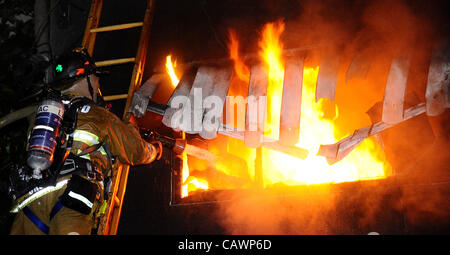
110	220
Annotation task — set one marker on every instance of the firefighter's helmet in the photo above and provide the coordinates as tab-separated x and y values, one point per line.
73	66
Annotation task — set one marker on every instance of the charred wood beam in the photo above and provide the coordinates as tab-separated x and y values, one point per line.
328	75
337	151
256	107
394	93
291	102
438	84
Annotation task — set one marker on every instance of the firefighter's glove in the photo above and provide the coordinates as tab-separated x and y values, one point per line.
141	97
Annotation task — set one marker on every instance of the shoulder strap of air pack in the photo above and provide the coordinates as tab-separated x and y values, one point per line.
70	117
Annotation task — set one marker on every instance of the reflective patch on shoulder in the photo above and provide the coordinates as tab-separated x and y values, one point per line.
85	137
85	109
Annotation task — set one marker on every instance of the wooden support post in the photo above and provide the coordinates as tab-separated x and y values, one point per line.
394	94
291	102
256	107
328	74
212	122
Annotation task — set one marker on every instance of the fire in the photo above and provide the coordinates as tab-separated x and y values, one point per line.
364	163
189	183
184	174
170	68
240	68
318	126
271	50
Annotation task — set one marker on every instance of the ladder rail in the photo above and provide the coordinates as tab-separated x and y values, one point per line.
110	220
141	55
93	21
134	84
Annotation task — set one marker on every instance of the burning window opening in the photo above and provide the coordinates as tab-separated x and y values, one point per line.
366	162
240	167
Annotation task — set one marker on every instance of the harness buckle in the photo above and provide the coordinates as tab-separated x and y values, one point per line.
69	166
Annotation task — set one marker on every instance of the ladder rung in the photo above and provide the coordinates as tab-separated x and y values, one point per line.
115	97
116	27
114	61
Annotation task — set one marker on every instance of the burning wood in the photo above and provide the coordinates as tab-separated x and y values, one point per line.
327	80
438	84
172	116
337	151
291	102
221	84
255	118
359	67
394	93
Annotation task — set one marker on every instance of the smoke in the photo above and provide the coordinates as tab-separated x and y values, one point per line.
426	208
264	212
372	32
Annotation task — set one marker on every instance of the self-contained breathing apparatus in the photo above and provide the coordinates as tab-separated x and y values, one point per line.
44	135
49	159
49	156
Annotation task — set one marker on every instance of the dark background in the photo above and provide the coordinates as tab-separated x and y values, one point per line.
197	30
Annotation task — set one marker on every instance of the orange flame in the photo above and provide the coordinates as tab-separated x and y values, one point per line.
170	68
271	50
190	183
363	163
184	174
318	126
240	68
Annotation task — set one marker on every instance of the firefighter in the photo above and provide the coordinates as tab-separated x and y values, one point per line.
74	203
